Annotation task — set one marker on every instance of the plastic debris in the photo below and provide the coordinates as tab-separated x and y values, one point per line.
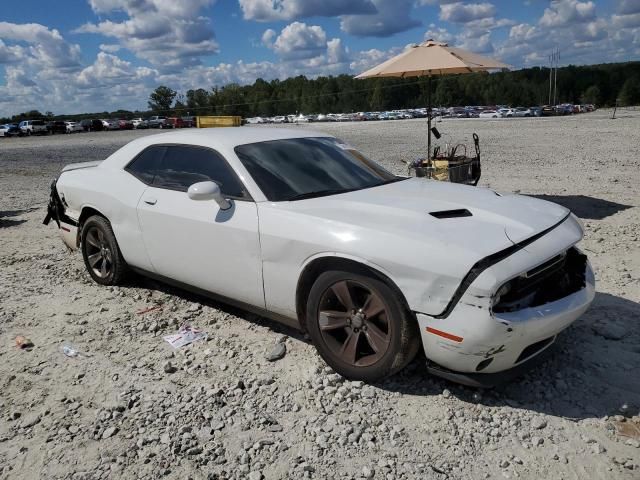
186	335
24	343
71	352
150	309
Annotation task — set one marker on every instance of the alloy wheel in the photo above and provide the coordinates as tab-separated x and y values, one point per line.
354	323
99	254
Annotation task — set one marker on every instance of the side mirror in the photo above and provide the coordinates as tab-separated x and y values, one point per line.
207	191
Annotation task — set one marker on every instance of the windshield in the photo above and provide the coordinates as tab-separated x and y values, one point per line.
297	168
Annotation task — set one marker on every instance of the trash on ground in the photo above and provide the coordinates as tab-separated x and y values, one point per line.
150	309
186	335
277	352
71	352
628	429
24	343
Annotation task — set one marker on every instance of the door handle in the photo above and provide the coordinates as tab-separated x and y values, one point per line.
150	201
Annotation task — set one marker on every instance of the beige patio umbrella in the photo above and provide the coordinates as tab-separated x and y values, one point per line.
432	58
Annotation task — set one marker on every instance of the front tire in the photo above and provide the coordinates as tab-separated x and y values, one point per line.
100	251
360	326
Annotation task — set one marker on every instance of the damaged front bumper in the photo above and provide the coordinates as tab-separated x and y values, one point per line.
486	340
67	226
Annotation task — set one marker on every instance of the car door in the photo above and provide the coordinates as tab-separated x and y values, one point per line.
194	241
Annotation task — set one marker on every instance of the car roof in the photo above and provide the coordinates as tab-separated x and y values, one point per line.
229	137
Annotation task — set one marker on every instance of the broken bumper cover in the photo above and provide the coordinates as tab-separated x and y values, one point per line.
67	226
476	347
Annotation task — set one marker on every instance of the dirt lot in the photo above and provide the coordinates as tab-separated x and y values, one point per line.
226	412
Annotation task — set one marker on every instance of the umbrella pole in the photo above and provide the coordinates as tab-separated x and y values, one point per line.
429	118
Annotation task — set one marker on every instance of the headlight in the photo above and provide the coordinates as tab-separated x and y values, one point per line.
578	221
502	291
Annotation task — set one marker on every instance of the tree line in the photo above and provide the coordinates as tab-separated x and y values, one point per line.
602	85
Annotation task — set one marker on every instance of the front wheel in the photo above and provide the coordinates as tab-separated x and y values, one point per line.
101	253
359	325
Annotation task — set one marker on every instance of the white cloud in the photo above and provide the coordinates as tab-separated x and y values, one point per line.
628	7
109	48
268	37
393	16
565	12
171	35
463	13
300	41
47	48
438	34
273	10
336	52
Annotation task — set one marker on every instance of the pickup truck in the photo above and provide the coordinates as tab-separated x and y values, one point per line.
157	122
31	127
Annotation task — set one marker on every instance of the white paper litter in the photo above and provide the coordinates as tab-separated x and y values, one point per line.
186	335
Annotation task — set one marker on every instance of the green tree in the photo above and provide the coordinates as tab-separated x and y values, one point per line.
591	95
161	99
630	91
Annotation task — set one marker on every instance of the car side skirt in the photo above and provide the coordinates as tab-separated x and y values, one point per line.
289	321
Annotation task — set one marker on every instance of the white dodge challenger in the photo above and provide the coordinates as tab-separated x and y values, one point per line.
303	228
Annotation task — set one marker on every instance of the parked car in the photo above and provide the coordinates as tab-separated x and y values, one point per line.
10	130
535	111
73	127
173	122
157	121
124	124
255	120
521	112
91	125
139	123
548	111
110	124
490	114
189	121
56	126
483	282
33	127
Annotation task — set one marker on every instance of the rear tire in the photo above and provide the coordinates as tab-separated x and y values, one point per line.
360	325
100	251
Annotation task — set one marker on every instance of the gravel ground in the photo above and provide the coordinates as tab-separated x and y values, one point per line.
129	407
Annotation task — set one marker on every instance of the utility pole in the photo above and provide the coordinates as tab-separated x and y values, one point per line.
550	75
555	76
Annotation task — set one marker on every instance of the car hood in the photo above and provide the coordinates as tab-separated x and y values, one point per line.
404	210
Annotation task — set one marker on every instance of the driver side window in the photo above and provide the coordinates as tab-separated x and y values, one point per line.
177	167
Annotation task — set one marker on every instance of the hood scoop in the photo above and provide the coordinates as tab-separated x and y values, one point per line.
460	212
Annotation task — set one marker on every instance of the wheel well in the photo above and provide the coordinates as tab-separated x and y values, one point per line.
320	265
86	212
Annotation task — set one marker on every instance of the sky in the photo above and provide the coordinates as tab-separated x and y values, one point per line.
76	56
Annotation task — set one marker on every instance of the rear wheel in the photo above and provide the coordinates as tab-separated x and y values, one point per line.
101	253
360	326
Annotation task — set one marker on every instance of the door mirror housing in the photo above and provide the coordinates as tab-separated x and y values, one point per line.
208	191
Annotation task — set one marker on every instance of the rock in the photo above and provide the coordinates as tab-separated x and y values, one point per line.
30	420
255	475
536	441
504	464
368	472
194	451
109	432
538	423
446	393
277	352
165	439
168	367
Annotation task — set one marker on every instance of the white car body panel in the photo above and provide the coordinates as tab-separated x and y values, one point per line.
256	251
212	249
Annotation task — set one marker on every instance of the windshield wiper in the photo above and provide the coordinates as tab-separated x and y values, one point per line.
320	193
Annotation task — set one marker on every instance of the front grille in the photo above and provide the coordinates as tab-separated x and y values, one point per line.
555	279
534	348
